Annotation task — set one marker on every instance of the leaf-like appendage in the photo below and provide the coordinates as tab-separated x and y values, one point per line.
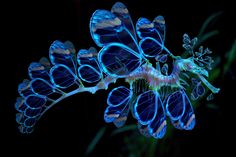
38	70
89	74
152	35
41	87
121	119
118	60
106	28
32	112
88	57
121	11
118	96
35	101
59	53
62	76
187	121
175	105
145	108
159	24
153	93
118	106
20	104
150	47
157	128
20	118
30	122
24	88
145	28
182	115
25	130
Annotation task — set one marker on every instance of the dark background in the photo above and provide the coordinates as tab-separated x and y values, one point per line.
30	27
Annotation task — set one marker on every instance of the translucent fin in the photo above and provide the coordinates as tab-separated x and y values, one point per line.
113	112
188	120
32	112
24	88
41	87
152	35
150	47
38	70
157	128
89	74
155	29
145	28
118	106
88	57
59	53
20	104
62	76
117	114
26	123
30	122
84	55
159	24
105	28
20	118
145	108
118	60
175	106
120	121
118	96
35	101
25	130
121	11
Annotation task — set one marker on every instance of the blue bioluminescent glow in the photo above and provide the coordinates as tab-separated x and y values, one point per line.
136	54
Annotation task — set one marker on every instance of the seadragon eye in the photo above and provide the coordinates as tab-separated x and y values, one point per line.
152	95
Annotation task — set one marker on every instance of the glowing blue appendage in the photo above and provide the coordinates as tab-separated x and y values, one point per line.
153	92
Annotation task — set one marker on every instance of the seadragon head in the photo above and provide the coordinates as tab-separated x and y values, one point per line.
199	62
189	65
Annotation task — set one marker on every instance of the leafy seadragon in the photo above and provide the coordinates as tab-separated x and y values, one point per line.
136	54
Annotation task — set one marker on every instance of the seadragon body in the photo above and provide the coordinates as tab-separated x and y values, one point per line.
151	93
